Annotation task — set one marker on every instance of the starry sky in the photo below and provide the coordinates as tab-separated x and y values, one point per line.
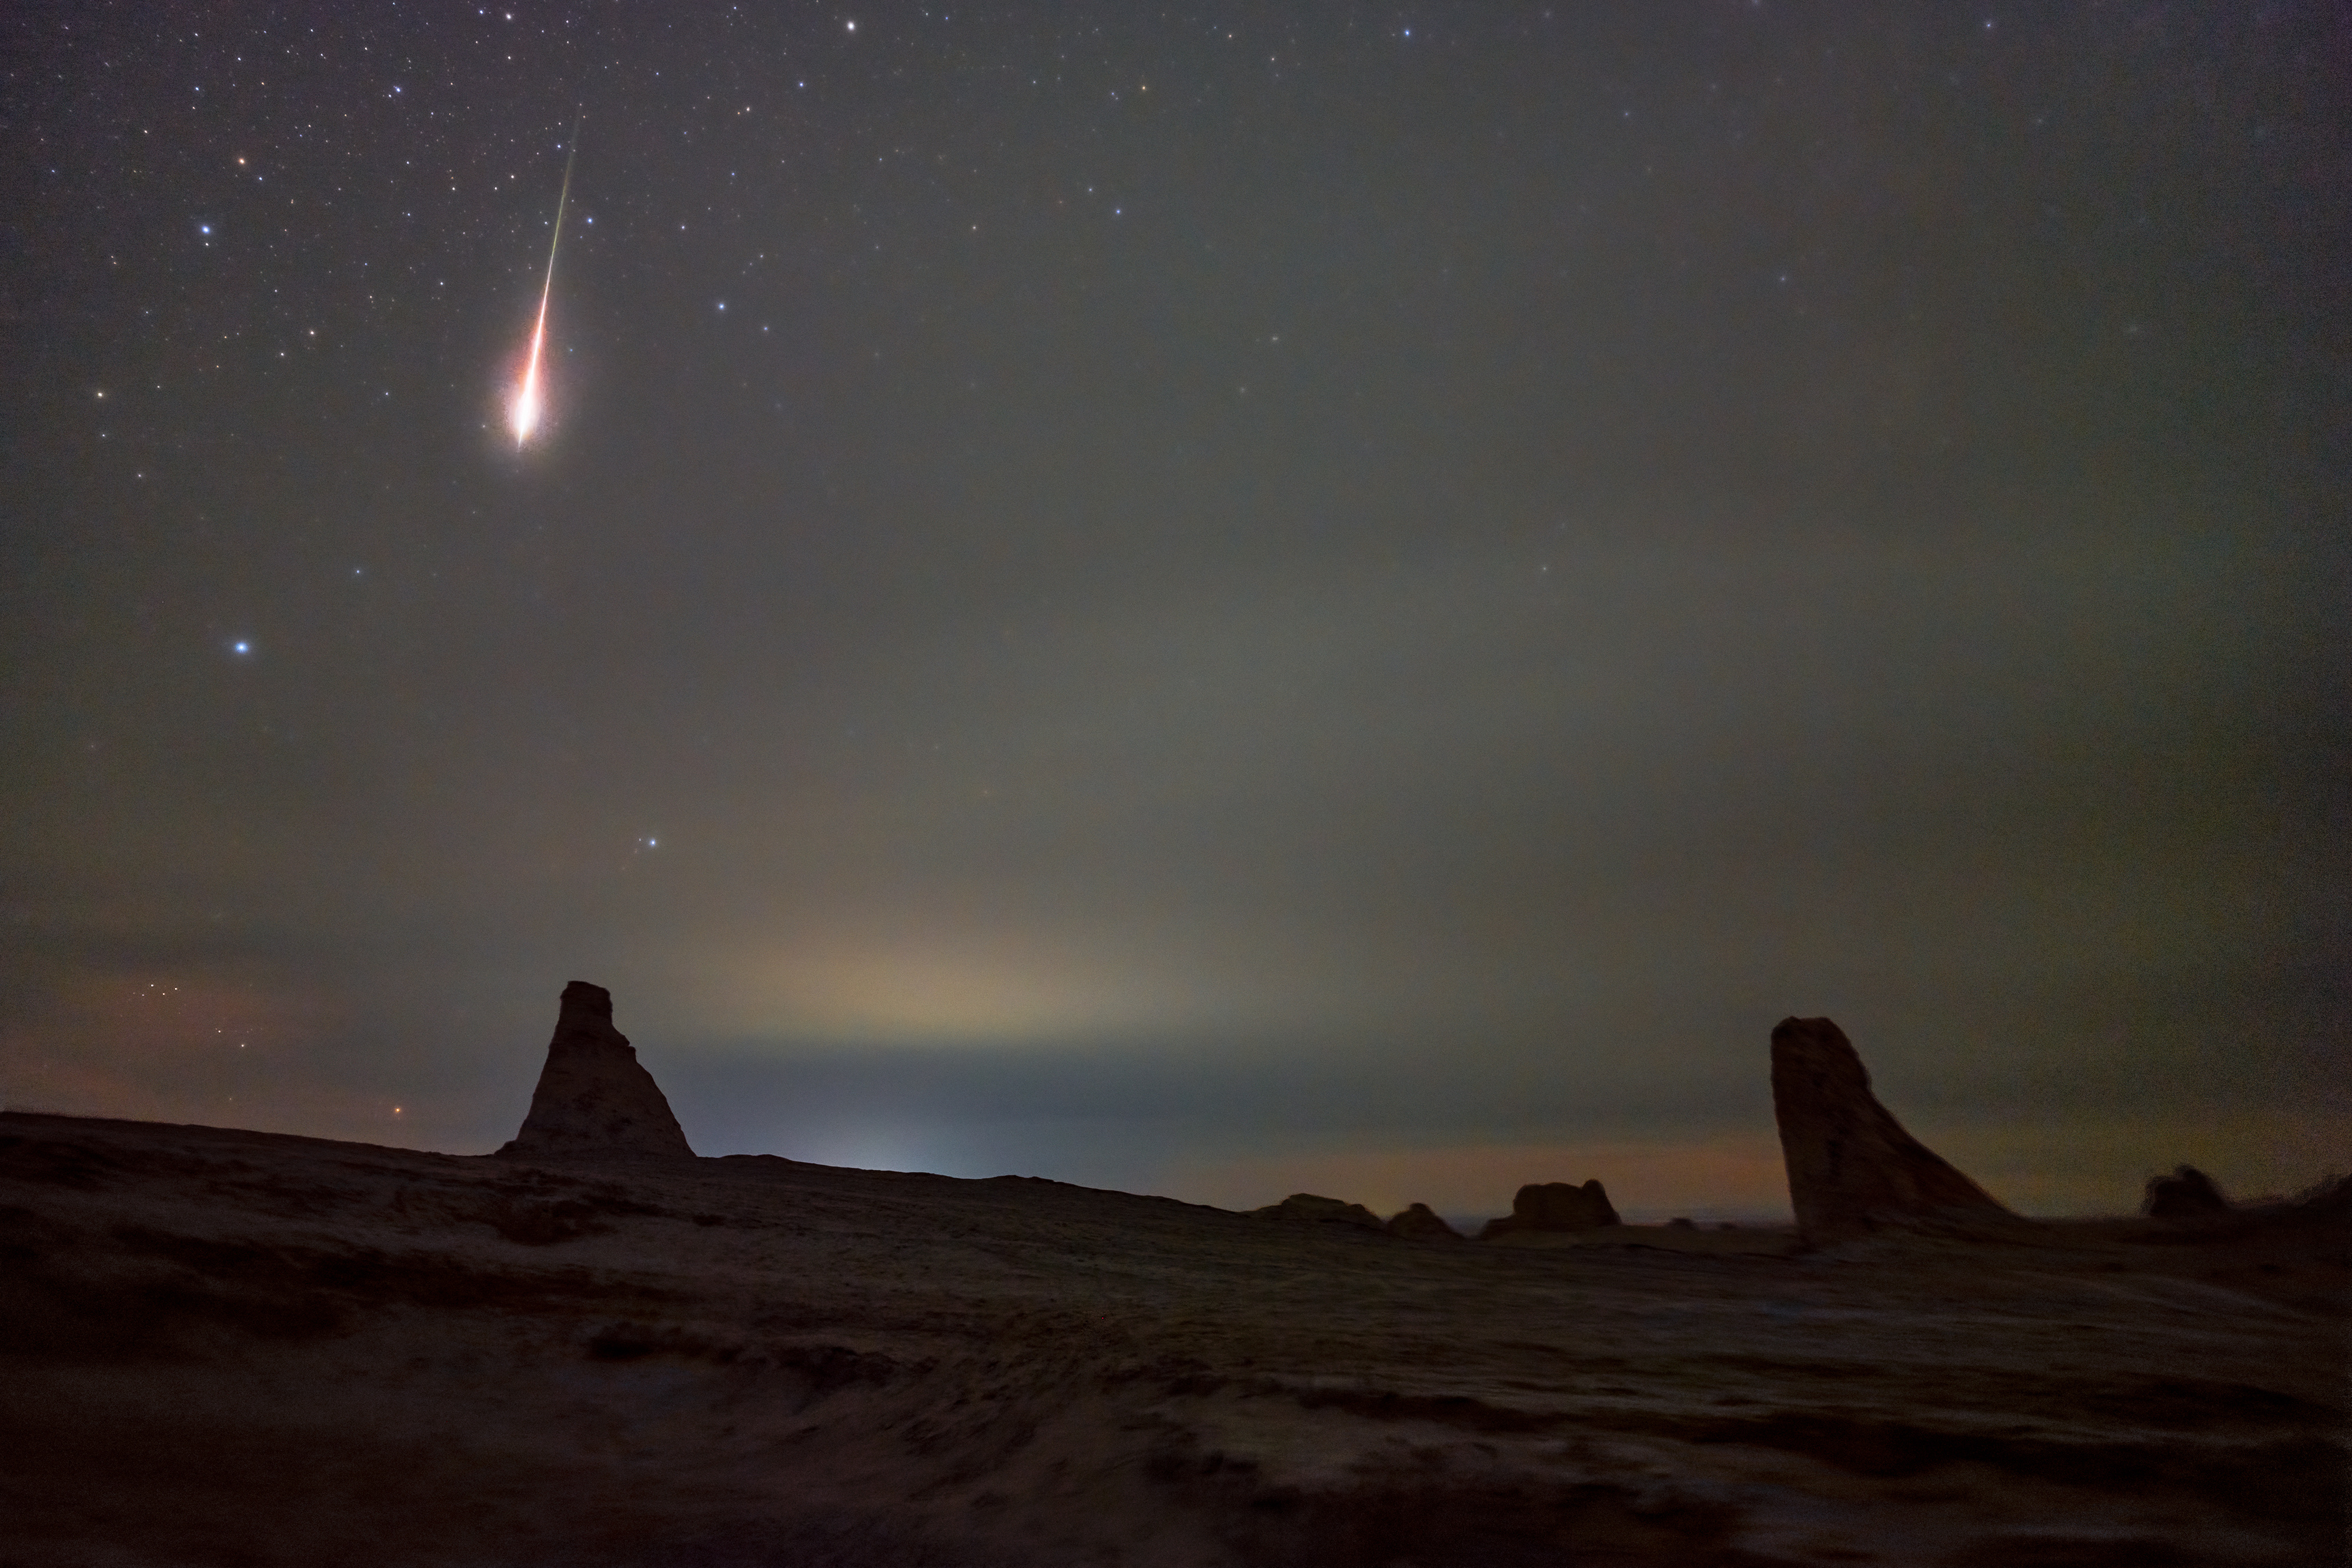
1209	600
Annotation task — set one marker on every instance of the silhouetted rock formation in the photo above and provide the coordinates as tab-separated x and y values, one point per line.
1421	1225
1308	1208
2329	1202
1555	1206
1852	1167
2187	1194
593	1096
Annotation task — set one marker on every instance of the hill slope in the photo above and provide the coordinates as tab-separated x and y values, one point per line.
234	1347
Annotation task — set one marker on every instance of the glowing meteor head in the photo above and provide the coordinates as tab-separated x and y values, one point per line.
522	413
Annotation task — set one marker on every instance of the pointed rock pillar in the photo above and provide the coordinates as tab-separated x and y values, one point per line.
1852	1167
593	1096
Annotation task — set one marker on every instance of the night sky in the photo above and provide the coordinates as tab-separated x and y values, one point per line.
1210	600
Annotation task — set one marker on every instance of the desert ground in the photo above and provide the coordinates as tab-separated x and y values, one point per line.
222	1347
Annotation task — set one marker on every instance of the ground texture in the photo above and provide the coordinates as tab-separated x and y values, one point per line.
232	1348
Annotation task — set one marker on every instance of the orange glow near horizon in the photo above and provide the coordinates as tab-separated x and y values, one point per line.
1730	1174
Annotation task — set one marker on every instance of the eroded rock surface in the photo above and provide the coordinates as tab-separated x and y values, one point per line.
593	1096
224	1347
1852	1166
1555	1206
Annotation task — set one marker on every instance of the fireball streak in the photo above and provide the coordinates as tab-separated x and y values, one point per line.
525	409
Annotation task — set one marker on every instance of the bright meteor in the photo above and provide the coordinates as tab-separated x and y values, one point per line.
523	411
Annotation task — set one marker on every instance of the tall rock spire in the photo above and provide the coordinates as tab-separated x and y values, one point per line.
1852	1167
593	1096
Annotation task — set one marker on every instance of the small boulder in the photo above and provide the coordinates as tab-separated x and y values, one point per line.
1555	1206
2187	1194
593	1096
1421	1224
1852	1167
1308	1208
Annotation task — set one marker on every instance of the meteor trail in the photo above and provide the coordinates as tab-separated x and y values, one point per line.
524	410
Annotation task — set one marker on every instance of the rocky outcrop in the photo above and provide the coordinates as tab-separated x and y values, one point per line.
1306	1207
2187	1194
1852	1167
593	1096
2328	1203
1420	1223
1555	1206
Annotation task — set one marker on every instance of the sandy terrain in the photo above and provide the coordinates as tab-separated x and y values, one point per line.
224	1347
